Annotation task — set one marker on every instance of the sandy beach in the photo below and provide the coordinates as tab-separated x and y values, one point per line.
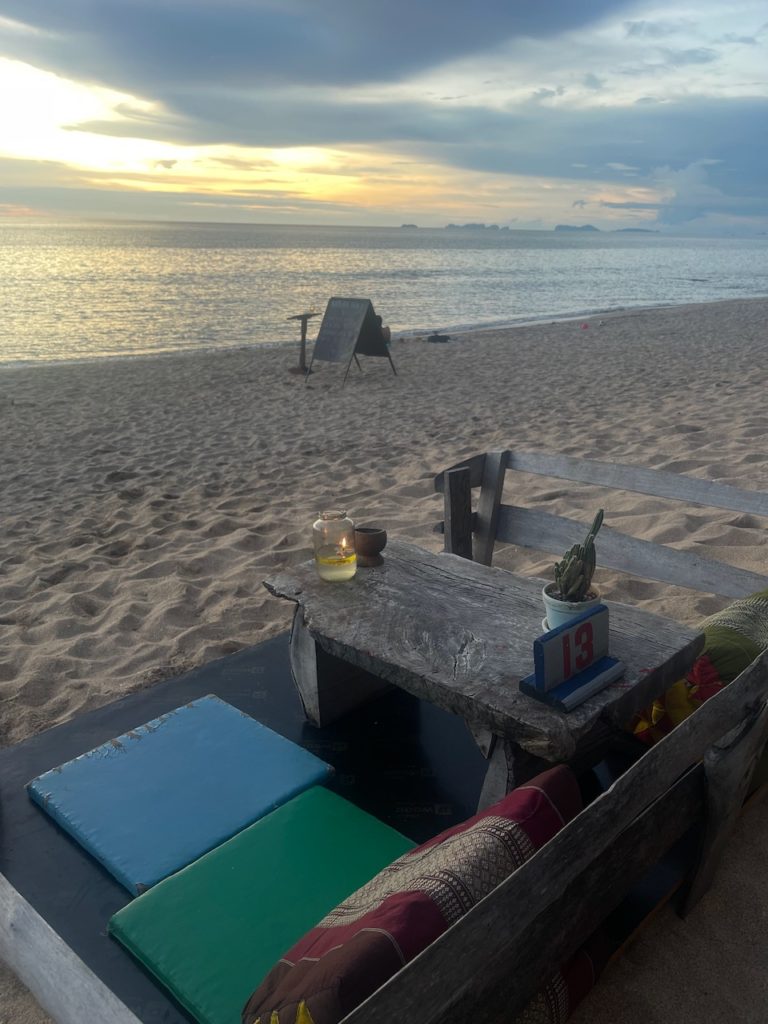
145	500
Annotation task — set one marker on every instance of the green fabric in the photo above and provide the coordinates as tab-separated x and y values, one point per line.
736	635
733	638
212	931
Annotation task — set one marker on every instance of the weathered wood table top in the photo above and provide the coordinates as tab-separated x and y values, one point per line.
460	634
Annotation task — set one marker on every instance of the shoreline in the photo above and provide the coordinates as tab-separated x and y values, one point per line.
406	334
146	499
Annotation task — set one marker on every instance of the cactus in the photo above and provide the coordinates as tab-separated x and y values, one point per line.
573	575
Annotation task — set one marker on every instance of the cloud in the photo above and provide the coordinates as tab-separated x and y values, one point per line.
731	37
467	88
595	143
690	195
683	58
592	81
657	29
547	94
152	44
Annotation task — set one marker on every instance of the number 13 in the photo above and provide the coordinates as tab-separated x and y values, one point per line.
584	649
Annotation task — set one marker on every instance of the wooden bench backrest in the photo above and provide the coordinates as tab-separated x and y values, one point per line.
488	964
542	531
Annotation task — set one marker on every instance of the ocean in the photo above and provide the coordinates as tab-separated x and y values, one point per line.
128	289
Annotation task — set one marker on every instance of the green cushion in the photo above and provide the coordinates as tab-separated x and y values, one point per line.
210	932
736	635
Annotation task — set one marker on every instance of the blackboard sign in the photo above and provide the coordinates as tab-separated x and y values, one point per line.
350	328
340	329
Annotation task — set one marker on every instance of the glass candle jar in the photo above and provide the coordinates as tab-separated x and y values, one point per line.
334	538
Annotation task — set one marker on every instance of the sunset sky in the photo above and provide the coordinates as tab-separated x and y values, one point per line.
525	113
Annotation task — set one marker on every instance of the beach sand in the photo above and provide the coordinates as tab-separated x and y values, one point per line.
145	500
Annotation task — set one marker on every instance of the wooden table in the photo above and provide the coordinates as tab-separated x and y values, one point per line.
460	634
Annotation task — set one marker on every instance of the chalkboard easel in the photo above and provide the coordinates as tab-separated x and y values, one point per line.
349	328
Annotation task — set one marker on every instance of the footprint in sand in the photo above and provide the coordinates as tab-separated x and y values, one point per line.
117	475
116	549
221	528
250	542
7	672
83	605
50	577
746	522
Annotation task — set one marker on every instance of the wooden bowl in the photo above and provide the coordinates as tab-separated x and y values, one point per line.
370	541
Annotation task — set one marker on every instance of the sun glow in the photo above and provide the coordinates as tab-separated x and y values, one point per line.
34	125
51	122
94	136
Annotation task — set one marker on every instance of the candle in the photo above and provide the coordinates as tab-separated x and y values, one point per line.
334	542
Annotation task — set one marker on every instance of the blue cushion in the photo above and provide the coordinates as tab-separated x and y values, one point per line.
151	801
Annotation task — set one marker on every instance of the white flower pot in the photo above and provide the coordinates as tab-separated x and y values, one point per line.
560	612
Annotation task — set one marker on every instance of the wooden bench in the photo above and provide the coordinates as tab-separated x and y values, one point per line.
488	964
474	534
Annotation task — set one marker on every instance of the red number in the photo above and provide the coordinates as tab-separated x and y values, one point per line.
586	652
566	655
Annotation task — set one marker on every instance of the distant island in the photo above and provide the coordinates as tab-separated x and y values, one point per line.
474	227
616	231
576	227
409	225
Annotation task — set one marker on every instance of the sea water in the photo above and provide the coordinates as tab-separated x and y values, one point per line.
126	289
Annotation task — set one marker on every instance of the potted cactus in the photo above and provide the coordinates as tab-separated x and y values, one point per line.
572	593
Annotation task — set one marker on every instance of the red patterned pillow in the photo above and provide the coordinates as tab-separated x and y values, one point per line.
391	919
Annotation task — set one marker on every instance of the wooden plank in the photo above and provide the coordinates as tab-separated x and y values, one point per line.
328	687
484	739
303	659
475	466
440	527
488	507
508	766
460	635
660	483
458	513
63	985
461	976
533	528
728	767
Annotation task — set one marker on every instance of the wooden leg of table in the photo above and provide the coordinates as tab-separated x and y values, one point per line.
508	766
328	686
728	766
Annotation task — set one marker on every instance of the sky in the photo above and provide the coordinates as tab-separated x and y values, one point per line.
521	113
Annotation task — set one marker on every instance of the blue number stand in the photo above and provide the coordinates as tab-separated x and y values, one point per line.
553	653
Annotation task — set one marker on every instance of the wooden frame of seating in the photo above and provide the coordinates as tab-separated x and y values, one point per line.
490	963
533	528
